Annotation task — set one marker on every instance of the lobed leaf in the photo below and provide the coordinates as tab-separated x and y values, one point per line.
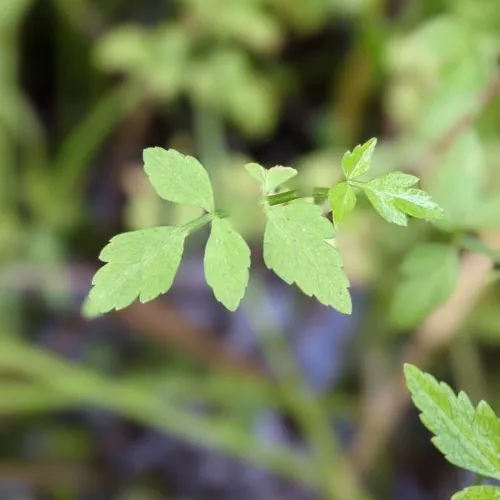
357	162
179	178
429	276
393	198
297	249
226	262
140	264
272	178
468	437
478	493
342	201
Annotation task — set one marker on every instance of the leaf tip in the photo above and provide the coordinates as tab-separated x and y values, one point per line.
90	310
410	370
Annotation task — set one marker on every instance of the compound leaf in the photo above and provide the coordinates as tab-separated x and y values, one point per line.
342	201
468	437
393	197
179	178
140	264
270	179
429	276
357	162
297	249
478	493
227	260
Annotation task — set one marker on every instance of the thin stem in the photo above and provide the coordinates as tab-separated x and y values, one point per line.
335	476
285	197
467	369
475	245
319	194
478	479
198	223
22	398
210	136
87	137
357	183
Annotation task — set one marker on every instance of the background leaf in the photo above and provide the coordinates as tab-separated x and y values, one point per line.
461	186
460	179
357	162
157	59
179	178
468	437
429	276
478	493
247	22
226	262
295	248
455	97
228	81
342	201
139	264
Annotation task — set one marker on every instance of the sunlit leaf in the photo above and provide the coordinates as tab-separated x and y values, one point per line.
357	162
342	201
140	264
392	197
227	260
297	248
179	178
468	437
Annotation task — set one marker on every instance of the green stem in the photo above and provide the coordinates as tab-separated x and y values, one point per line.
83	142
467	369
309	413
223	389
479	480
210	142
210	136
198	223
475	245
319	194
88	388
355	183
285	197
22	398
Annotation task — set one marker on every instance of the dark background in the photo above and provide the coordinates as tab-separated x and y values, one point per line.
179	399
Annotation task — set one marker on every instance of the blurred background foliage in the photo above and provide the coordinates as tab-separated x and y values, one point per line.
284	399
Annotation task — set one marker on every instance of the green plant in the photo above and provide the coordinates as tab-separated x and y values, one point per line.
298	238
468	437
